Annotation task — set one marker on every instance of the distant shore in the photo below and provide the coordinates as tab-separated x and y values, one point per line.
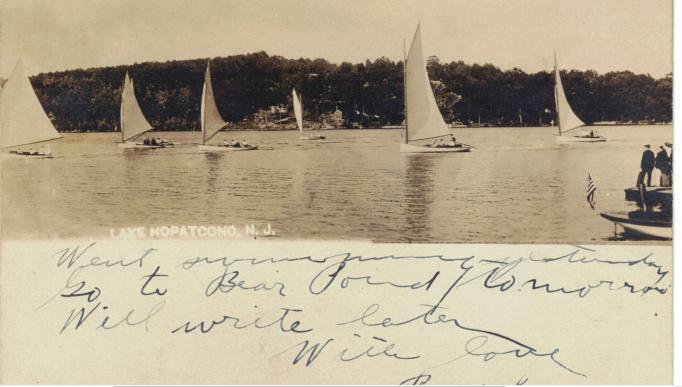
242	129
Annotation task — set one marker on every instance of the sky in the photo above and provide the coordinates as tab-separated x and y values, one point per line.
600	35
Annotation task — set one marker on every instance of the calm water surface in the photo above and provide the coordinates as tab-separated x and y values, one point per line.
518	186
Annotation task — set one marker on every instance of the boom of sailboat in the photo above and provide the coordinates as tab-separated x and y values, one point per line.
425	128
22	118
566	118
212	122
133	123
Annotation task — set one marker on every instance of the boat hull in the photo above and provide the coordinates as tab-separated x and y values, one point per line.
409	148
20	155
312	137
652	228
132	145
580	139
223	148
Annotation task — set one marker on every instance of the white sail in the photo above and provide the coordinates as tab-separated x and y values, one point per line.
211	121
567	120
133	122
423	117
298	111
22	118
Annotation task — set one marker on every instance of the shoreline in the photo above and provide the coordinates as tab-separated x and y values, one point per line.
378	128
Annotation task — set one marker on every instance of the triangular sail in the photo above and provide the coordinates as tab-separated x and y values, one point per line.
298	111
211	121
567	120
133	122
423	117
22	118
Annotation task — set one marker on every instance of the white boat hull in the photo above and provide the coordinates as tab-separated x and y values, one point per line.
139	146
312	137
580	139
652	229
223	148
409	148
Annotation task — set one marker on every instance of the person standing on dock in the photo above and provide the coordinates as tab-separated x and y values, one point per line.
647	165
663	164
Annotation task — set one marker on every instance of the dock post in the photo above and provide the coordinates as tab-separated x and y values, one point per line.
642	190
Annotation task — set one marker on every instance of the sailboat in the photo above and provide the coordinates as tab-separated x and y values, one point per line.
22	118
566	118
298	112
425	129
133	123
211	121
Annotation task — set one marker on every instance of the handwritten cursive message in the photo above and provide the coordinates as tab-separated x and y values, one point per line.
272	312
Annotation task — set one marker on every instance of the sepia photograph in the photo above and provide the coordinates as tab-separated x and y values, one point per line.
292	118
339	172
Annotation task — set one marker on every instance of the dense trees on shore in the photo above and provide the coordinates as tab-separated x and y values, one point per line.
368	94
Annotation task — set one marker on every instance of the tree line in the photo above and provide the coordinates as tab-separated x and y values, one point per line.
369	94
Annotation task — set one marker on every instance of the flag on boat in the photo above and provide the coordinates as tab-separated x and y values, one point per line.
589	192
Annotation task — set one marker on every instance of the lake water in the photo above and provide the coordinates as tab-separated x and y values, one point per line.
517	186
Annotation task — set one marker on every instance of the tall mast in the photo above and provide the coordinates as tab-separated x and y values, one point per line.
405	89
207	75
556	93
122	94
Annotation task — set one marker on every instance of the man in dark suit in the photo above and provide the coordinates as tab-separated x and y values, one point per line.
663	165
647	165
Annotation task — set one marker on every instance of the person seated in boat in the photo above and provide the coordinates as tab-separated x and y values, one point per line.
452	142
232	143
245	144
146	141
591	133
153	142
